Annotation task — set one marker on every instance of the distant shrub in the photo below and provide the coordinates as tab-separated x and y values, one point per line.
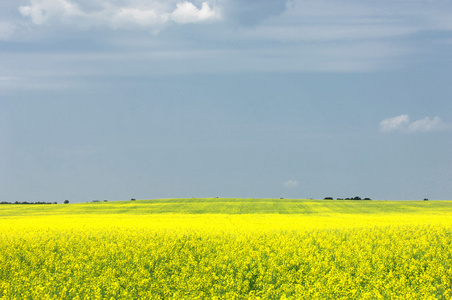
25	202
425	199
328	198
66	201
133	199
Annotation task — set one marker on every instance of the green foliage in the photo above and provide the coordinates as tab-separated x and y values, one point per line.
235	206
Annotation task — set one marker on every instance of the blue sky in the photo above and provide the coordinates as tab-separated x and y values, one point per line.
225	98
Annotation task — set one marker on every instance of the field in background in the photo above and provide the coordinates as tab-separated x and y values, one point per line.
227	249
233	206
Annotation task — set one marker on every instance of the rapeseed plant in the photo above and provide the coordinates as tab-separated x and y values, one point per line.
222	256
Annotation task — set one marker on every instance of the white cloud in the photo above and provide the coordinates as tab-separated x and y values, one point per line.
42	82
309	35
8	81
6	78
186	12
40	11
119	14
133	16
427	124
394	124
403	124
292	183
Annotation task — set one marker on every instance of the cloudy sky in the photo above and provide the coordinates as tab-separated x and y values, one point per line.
114	99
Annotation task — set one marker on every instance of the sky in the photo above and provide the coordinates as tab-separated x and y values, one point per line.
120	99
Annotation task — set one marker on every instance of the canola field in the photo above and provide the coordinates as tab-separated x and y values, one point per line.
227	249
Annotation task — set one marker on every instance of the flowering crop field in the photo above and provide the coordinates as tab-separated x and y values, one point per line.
227	249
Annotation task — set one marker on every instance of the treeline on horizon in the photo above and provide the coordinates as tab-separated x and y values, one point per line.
351	198
25	202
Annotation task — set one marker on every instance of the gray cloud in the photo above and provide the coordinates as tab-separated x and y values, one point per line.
326	20
252	12
6	30
298	35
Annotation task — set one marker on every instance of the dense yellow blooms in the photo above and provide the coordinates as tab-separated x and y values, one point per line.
219	256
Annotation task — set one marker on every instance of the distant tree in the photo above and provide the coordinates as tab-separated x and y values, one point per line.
340	199
425	199
328	198
133	199
357	198
66	201
367	199
105	200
